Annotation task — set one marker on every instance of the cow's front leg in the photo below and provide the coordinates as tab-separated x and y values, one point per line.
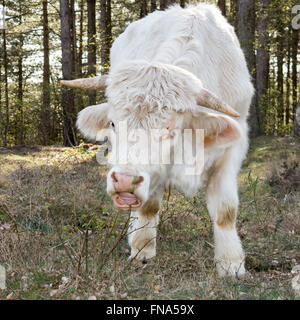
222	203
143	229
229	255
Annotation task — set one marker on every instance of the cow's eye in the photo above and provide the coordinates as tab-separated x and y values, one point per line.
112	125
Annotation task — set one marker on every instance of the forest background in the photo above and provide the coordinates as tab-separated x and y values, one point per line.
45	41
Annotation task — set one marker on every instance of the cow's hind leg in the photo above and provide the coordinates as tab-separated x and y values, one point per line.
142	230
222	203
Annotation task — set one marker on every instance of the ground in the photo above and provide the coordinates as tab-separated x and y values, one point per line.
60	237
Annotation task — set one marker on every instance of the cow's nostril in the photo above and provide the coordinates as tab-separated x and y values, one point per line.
113	175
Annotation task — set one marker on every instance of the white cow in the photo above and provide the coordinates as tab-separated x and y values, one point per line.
176	69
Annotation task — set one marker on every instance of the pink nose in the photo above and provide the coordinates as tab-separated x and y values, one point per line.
124	182
124	185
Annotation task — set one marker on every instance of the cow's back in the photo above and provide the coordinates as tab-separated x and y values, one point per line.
198	39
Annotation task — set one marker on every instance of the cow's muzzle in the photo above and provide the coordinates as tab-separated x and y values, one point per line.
124	186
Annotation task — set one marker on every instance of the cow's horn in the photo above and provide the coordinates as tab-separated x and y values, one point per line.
207	99
96	83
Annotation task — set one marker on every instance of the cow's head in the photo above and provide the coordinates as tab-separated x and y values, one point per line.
141	97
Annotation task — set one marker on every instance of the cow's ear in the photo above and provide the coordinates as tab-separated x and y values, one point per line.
92	120
219	131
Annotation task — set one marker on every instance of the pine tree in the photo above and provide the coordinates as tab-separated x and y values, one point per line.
92	46
5	63
45	110
246	34
106	36
262	59
69	114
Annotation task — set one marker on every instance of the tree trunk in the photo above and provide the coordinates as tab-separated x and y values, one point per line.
143	8
262	60
80	73
279	57
153	5
108	28
74	40
246	34
19	125
79	96
295	42
55	116
233	14
103	23
45	114
69	116
288	75
1	118
164	4
5	63
92	46
19	113
297	120
246	27
222	6
106	35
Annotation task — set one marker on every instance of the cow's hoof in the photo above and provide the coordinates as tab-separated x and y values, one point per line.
142	255
231	269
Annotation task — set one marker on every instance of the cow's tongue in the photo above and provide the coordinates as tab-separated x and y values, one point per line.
126	199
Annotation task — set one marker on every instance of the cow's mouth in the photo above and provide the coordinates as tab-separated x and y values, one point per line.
126	200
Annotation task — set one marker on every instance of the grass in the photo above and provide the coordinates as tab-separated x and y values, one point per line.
60	237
